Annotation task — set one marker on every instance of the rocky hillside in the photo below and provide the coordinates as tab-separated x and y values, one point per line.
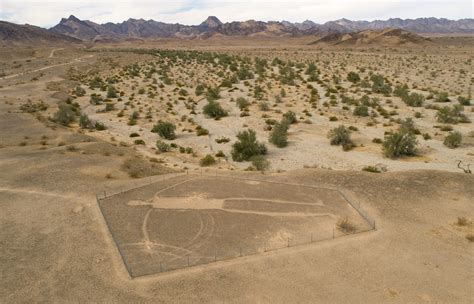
388	36
15	33
146	29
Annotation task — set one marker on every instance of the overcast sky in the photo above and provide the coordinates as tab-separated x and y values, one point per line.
48	13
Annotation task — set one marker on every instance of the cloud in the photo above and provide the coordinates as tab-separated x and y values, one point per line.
48	13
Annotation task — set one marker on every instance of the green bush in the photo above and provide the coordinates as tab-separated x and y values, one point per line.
100	126
451	115
400	143
341	136
279	134
453	140
353	77
84	122
207	160
162	146
361	111
213	109
247	146
260	163
464	101
379	85
290	117
79	91
414	100
442	97
65	115
200	131
111	92
165	130
242	103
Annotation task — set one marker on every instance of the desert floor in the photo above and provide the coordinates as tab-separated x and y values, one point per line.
55	245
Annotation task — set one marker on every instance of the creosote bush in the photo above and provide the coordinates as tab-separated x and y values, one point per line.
207	160
259	163
279	134
341	136
400	143
453	140
247	146
165	130
213	109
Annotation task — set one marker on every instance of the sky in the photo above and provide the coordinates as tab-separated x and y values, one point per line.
48	13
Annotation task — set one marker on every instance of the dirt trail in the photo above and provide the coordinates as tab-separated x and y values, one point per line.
47	67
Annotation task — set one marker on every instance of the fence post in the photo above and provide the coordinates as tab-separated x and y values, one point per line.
288	241
311	237
215	256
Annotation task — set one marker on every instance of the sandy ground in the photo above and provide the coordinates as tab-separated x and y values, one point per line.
55	247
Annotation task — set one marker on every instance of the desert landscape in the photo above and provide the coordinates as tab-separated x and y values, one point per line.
237	162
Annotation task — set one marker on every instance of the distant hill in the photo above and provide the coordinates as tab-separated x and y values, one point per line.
381	37
15	33
72	29
146	29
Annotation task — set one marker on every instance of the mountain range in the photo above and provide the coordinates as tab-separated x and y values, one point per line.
72	29
140	28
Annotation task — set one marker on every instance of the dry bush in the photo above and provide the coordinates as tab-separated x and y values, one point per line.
346	226
137	167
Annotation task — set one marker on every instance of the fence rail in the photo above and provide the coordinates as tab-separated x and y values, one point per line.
145	267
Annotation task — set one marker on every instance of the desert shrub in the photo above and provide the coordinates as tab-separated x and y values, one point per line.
220	153
79	91
96	99
212	93
464	101
341	136
162	146
452	115
213	109
84	122
247	146
353	77
379	85
100	126
138	167
401	91
165	130
65	115
462	221
372	169
408	125
242	103
400	143
453	140
260	163
442	97
361	111
134	134
263	106
414	100
139	142
207	160
222	140
290	117
345	225
111	92
199	90
200	131
279	134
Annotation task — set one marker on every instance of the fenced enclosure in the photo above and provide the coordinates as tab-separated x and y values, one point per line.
171	222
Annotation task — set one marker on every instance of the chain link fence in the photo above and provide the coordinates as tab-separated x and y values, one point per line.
154	264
